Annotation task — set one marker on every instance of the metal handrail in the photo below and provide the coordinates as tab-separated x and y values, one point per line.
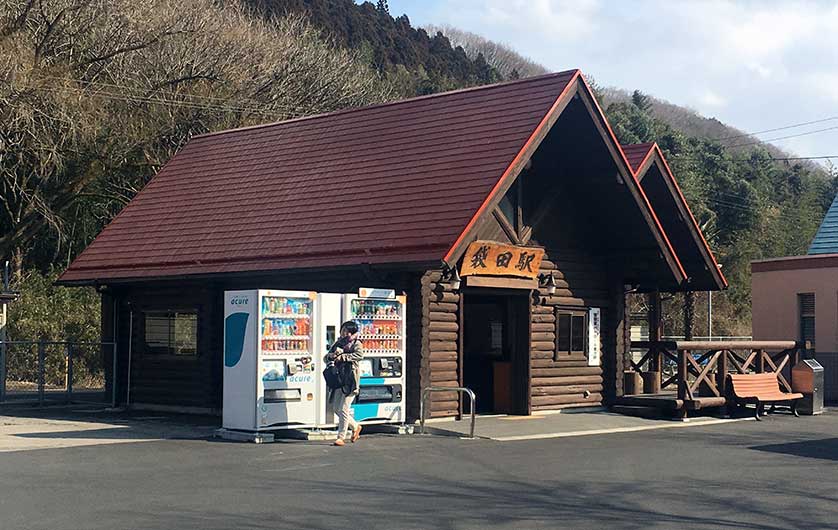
426	392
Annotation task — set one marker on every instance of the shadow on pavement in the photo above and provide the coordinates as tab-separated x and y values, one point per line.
824	449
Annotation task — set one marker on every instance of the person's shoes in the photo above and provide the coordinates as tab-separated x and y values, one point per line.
356	433
339	442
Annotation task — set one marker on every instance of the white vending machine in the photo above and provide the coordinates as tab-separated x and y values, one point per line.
271	369
380	315
329	319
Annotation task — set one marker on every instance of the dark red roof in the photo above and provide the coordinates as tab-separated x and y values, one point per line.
391	183
636	154
676	217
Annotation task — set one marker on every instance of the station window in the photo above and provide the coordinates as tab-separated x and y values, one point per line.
571	332
806	306
171	333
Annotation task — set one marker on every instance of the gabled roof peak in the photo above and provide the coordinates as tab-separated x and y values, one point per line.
826	238
366	108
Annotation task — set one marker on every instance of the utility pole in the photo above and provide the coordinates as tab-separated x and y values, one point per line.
709	315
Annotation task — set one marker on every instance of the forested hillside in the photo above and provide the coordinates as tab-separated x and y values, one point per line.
94	98
418	63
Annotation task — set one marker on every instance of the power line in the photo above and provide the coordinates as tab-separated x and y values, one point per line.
783	137
725	138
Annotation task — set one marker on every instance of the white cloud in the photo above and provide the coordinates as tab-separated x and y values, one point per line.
769	63
708	98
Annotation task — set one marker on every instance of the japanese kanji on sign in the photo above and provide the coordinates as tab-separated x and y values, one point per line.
496	259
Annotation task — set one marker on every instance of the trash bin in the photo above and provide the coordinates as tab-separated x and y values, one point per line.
807	378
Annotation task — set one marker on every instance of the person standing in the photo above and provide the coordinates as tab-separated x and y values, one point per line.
347	349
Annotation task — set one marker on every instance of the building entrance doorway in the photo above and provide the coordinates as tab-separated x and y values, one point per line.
496	351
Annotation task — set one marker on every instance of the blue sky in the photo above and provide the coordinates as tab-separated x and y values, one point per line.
752	64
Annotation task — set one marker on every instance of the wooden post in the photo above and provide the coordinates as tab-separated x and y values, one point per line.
689	314
682	374
721	377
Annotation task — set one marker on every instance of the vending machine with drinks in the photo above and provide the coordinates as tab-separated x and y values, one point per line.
271	369
329	319
380	316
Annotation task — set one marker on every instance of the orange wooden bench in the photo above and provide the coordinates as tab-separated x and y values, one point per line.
760	389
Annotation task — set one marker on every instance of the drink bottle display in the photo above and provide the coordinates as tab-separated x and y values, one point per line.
270	370
379	314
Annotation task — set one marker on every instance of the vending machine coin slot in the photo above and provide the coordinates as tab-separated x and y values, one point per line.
380	394
282	395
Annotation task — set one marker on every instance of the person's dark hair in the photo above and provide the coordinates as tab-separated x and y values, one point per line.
350	325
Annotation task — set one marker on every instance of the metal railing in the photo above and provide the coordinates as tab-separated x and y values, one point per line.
49	371
427	391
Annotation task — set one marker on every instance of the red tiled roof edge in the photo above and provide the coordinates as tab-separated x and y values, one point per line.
706	247
636	182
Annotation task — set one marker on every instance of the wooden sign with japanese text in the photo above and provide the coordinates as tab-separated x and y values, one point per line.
488	258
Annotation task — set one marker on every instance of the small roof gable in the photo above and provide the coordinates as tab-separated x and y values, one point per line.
636	154
392	183
659	184
826	239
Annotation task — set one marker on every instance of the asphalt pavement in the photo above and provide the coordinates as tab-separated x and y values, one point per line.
776	474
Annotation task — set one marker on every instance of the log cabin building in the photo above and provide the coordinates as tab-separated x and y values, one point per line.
509	215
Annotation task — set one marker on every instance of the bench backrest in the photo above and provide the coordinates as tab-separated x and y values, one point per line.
751	384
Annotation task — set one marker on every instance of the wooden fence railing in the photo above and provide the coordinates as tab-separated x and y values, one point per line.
699	369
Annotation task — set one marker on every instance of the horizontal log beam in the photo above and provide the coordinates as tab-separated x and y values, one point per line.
561	390
542	345
443	307
442	345
443	296
444	366
442	336
441	316
561	371
443	326
444	379
443	356
719	345
574	380
593	399
579	366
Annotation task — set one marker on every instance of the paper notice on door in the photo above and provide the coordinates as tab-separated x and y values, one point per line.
593	336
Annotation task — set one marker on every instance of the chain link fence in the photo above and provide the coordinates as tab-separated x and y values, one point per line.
47	372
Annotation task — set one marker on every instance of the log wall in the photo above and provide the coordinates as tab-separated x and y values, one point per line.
568	381
440	342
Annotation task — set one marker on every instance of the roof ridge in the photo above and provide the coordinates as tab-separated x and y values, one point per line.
387	103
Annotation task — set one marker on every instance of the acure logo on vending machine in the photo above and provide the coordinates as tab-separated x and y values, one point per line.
240	300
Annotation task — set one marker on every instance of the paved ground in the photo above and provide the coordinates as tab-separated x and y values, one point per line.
775	474
569	423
